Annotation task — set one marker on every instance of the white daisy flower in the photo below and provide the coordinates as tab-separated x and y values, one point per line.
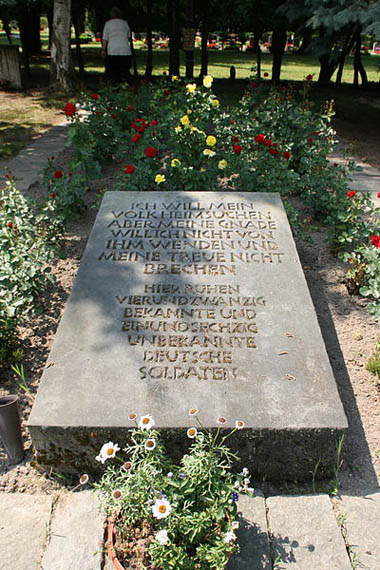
127	466
230	536
150	444
83	479
239	424
109	450
132	417
192	432
245	471
193	412
117	494
221	421
146	422
162	537
235	525
161	509
100	458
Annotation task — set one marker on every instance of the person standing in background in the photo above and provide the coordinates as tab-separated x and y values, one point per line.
116	46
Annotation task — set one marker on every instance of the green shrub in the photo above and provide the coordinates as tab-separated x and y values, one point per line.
28	240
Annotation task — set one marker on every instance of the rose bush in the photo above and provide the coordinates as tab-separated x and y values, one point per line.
28	240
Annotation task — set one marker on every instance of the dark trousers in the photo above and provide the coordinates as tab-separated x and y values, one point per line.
118	68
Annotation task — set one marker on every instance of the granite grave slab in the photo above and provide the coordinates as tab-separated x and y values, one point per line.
191	299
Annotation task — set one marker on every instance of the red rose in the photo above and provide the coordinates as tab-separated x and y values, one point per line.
237	148
378	195
69	110
309	77
335	164
232	122
129	169
113	116
266	74
52	195
375	240
94	96
235	139
286	155
316	133
58	174
151	151
268	142
139	125
273	151
136	137
9	224
130	108
310	140
260	138
351	193
153	122
254	84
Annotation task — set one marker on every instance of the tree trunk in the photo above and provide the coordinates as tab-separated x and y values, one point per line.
134	62
347	47
149	58
49	15
278	48
174	37
205	32
306	41
78	51
256	46
358	64
60	62
7	29
29	26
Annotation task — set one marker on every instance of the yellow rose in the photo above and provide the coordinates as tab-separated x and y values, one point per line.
175	162
222	164
178	129
191	87
175	78
211	140
185	120
215	103
207	81
208	152
189	111
160	178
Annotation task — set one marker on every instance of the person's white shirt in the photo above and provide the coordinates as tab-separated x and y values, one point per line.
117	34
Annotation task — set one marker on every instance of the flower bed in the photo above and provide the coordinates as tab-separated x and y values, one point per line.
173	515
176	136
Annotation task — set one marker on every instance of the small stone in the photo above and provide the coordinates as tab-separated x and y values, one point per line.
358	336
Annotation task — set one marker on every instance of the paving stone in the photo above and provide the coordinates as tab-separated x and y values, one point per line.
191	299
28	165
75	534
252	535
24	524
361	519
305	533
